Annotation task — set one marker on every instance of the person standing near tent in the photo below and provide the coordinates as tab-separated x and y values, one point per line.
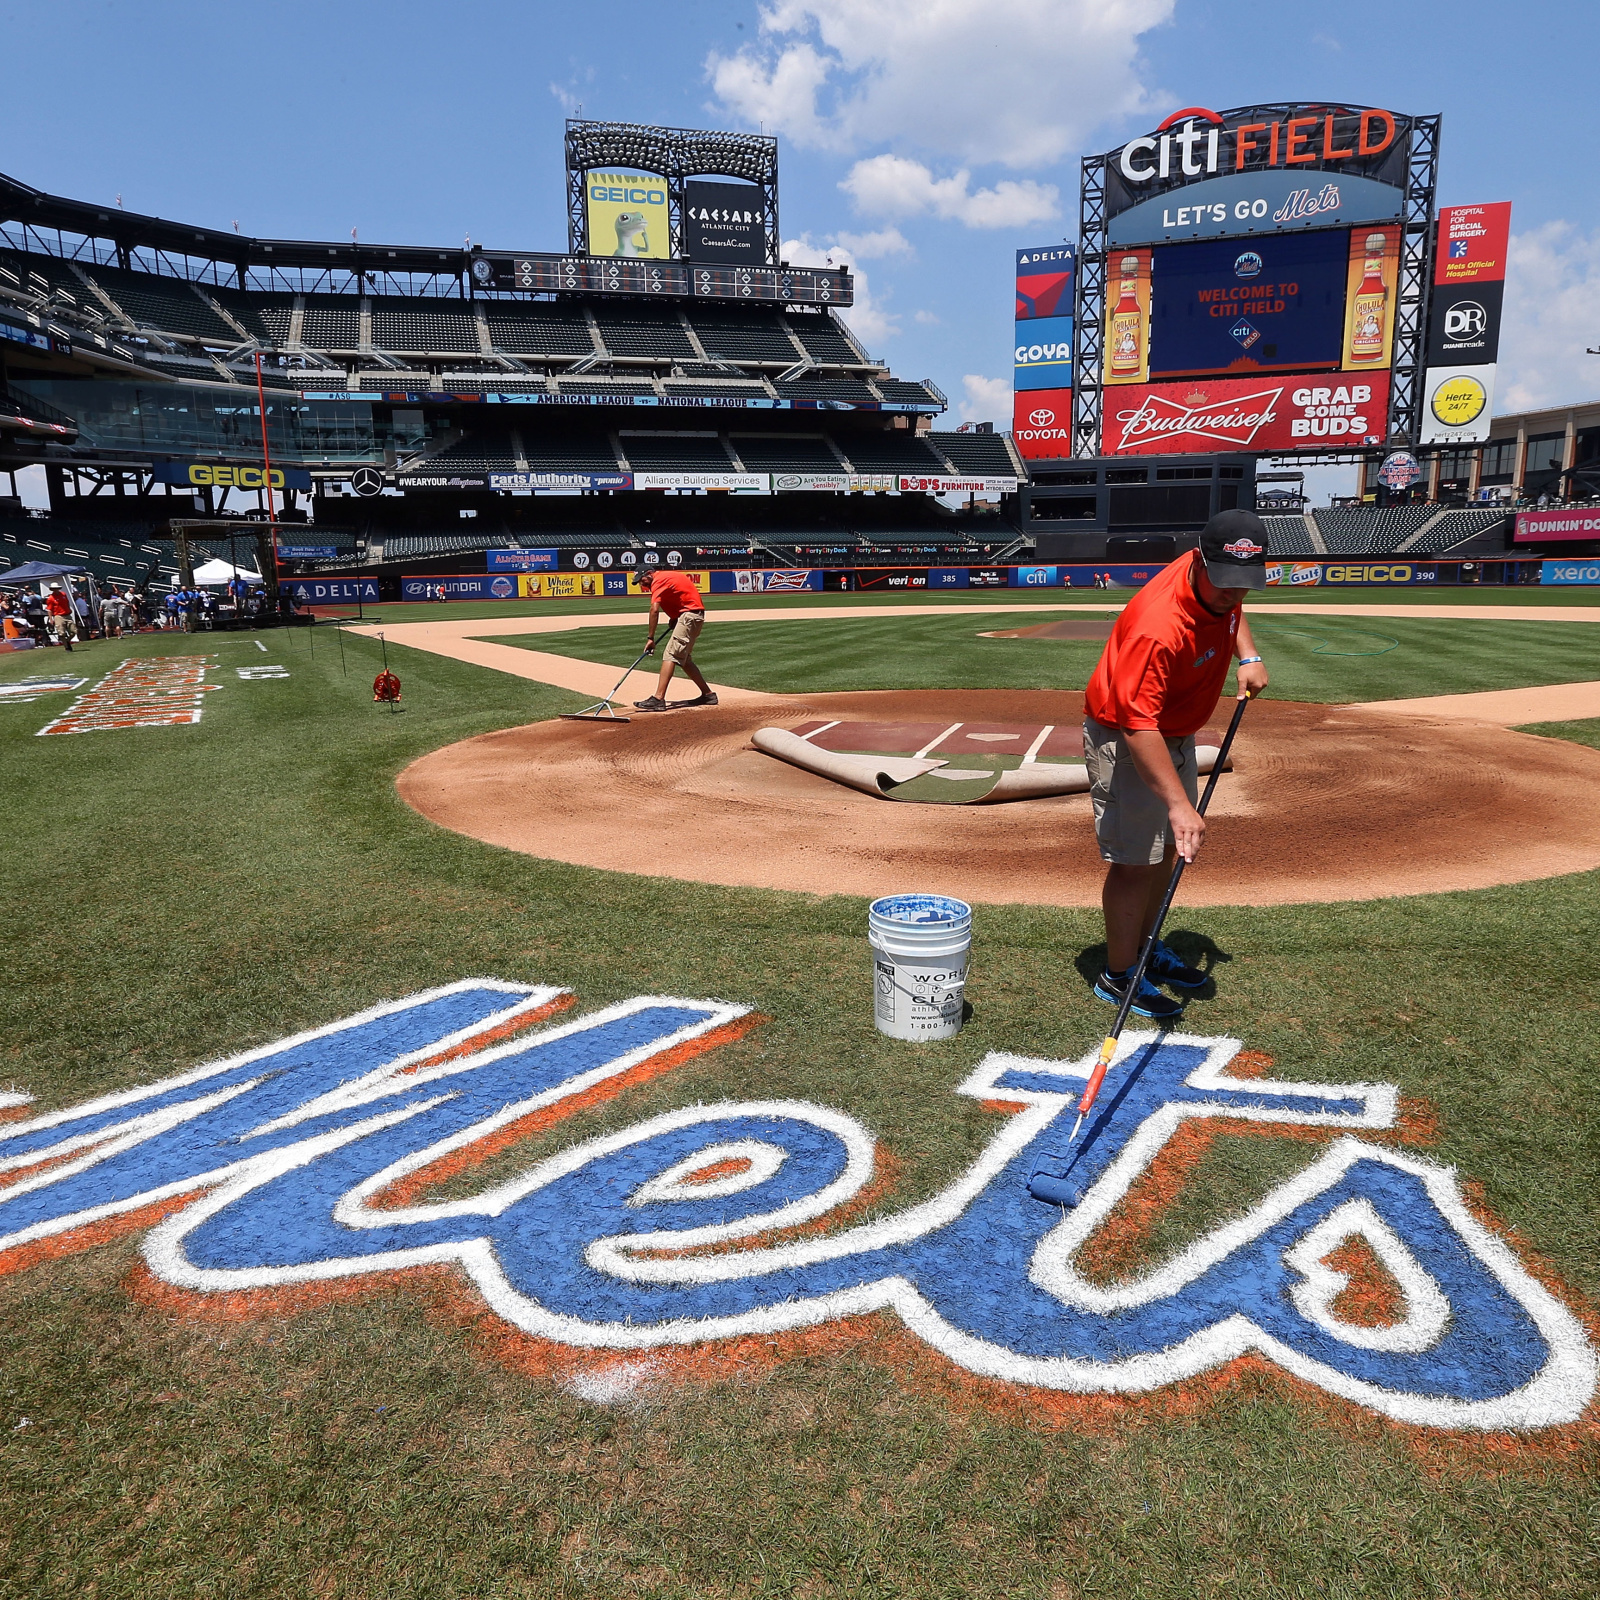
58	614
1158	680
675	594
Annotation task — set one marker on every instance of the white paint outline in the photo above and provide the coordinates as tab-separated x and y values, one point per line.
763	1161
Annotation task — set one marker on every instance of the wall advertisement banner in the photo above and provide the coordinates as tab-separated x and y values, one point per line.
1472	243
1293	573
308	552
521	560
944	484
1536	527
570	585
221	475
1264	414
756	482
1044	282
1381	572
811	482
1042	356
1464	323
1246	203
891	578
331	591
1569	572
784	580
625	214
560	480
1127	329
1041	424
1372	286
503	587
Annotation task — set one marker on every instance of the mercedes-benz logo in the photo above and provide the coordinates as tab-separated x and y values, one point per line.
366	481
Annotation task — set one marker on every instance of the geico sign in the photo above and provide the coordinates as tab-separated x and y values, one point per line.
235	477
1369	574
1196	143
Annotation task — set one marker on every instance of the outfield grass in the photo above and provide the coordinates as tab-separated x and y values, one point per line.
180	893
1332	660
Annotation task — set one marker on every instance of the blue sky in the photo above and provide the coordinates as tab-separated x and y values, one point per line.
922	140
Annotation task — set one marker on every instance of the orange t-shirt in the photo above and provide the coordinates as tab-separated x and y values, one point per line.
675	593
56	604
1166	660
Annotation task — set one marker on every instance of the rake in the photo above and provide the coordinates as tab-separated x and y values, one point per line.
1052	1179
605	710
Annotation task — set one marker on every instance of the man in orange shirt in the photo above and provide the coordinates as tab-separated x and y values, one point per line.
58	611
675	594
1159	679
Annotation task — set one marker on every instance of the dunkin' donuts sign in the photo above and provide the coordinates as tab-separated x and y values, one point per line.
1265	413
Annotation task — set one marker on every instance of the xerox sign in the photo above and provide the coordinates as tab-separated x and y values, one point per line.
1041	423
1257	414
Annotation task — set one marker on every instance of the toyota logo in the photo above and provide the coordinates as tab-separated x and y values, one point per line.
1041	418
367	481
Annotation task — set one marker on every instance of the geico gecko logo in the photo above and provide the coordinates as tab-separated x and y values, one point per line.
310	1159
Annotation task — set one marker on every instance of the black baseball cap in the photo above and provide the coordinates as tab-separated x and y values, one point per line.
1234	549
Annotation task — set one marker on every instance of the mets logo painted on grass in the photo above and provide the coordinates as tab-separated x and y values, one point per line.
313	1159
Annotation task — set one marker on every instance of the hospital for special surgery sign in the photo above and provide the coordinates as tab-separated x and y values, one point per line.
1248	414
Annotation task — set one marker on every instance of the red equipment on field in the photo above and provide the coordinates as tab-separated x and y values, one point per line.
386	687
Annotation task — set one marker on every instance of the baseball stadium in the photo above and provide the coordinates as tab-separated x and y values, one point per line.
659	751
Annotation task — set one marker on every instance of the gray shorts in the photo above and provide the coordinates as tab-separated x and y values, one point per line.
1130	820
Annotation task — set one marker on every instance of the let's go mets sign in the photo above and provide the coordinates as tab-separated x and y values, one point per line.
310	1159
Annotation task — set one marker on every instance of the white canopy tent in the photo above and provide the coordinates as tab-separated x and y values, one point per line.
220	571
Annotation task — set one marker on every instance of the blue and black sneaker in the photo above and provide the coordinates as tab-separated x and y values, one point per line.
1148	1002
1167	966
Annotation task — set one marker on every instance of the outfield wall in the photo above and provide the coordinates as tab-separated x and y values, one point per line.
1343	574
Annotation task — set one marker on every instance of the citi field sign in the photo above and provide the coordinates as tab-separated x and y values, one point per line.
1256	169
317	1159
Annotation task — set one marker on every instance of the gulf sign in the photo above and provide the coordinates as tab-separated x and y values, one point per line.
1041	423
1261	414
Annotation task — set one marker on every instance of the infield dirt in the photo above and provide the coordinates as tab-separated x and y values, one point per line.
1326	803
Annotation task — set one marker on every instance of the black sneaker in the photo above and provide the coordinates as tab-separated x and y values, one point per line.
1148	1002
654	703
706	699
1167	966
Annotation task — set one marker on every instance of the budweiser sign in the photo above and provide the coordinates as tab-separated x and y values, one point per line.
1248	414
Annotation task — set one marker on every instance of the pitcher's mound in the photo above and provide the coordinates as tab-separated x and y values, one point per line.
1326	803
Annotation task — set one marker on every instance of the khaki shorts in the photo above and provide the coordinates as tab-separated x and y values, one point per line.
1130	820
680	643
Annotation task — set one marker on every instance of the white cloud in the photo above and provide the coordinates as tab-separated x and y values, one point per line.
926	318
986	400
868	319
1020	82
883	242
1552	313
896	186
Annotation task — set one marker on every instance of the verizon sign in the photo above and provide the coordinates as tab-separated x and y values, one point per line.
1265	414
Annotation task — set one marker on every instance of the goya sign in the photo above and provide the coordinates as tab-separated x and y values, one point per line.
309	1160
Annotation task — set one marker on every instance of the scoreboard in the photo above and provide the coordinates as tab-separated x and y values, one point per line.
611	275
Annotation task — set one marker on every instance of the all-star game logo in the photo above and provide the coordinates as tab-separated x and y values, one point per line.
319	1158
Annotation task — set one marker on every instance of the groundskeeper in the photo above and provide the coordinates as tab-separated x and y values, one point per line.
675	594
1158	681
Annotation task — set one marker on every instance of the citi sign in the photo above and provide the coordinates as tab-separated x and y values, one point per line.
1189	144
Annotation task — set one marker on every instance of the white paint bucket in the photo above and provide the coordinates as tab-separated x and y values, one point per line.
919	964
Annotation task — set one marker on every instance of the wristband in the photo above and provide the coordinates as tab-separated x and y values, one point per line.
1248	661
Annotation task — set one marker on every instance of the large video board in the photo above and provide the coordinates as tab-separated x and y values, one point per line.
1255	279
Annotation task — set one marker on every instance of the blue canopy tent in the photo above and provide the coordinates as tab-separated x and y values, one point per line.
37	572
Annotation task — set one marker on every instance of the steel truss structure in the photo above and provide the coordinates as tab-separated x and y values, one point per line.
673	154
1411	301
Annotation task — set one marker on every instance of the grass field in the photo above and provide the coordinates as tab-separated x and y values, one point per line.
178	894
1332	660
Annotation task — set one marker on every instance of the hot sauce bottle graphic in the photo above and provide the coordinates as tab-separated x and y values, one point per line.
1127	324
1371	314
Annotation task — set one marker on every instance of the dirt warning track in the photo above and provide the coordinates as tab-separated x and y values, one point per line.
1325	803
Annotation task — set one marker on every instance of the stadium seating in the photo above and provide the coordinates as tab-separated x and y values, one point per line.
975	453
483	450
578	451
525	328
264	317
332	322
641	333
851	390
1288	537
890	452
171	305
825	341
1369	530
784	455
709	390
682	454
905	392
1481	526
418	324
613	386
745	335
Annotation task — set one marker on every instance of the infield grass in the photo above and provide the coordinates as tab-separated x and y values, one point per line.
1335	659
177	894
